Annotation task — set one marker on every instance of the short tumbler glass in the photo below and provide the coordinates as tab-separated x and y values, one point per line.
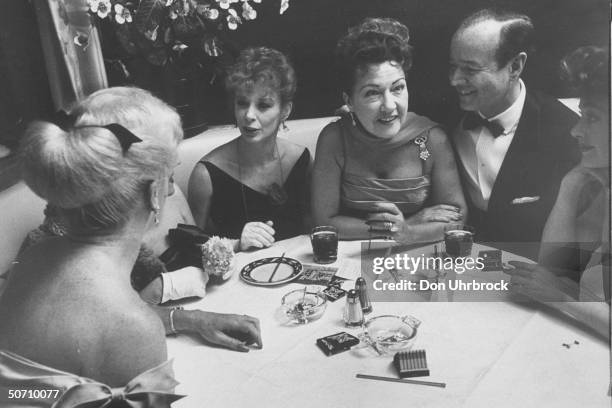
324	240
458	240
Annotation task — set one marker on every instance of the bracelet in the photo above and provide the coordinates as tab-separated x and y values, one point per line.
171	319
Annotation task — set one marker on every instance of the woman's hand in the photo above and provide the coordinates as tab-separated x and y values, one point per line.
235	332
437	213
257	235
540	284
387	218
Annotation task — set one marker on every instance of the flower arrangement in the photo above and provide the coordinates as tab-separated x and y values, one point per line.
218	257
161	30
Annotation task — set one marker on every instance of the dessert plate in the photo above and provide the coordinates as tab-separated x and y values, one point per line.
259	272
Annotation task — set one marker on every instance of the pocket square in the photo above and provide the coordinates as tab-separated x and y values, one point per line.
525	200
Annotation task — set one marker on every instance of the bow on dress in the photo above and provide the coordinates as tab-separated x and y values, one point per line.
149	389
153	388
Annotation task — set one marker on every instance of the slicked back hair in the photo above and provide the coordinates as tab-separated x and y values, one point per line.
516	34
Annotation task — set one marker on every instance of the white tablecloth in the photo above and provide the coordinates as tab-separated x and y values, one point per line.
490	354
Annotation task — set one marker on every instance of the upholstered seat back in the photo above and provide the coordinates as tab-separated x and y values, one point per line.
21	210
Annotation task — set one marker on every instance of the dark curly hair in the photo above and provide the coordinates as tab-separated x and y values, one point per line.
262	65
586	70
374	41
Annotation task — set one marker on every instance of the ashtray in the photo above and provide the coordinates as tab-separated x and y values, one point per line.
303	305
388	334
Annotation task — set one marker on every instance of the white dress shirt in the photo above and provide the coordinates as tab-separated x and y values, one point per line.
482	154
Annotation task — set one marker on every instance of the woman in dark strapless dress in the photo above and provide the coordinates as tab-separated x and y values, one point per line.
236	204
255	188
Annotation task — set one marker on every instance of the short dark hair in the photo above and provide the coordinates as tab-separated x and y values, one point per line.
262	65
516	34
586	70
373	41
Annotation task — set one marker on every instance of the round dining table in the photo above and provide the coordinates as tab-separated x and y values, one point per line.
490	352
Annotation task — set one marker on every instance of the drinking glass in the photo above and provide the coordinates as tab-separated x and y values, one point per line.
458	240
324	240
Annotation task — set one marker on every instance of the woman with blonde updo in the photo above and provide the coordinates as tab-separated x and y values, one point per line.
382	170
108	175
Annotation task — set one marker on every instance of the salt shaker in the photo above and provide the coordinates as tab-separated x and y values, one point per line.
353	315
362	292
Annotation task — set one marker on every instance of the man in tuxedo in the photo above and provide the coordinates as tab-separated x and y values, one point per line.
514	146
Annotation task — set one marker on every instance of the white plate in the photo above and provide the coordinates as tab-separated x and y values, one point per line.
259	272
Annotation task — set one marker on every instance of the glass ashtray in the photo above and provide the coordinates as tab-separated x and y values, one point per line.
303	305
388	334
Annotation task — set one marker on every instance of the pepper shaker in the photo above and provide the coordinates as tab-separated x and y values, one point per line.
362	291
353	315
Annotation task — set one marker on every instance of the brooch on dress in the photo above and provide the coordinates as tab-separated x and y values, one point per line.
420	141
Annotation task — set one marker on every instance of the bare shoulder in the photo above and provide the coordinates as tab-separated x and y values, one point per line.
331	131
138	320
575	181
292	151
199	193
133	342
330	138
222	157
222	154
437	139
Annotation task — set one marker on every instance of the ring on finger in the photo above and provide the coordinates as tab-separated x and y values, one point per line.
388	225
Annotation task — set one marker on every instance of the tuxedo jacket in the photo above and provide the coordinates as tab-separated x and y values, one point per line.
540	154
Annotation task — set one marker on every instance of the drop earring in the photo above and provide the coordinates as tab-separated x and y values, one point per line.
155	208
285	127
352	118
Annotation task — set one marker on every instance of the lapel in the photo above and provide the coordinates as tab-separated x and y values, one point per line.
455	132
520	160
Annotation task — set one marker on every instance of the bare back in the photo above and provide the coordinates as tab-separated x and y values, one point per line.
61	309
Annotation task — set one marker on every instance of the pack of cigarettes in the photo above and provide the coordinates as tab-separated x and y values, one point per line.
411	363
337	343
333	293
491	259
316	275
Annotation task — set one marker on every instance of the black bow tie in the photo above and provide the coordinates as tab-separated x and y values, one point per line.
473	120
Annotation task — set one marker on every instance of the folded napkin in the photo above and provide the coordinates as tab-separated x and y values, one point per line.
185	247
